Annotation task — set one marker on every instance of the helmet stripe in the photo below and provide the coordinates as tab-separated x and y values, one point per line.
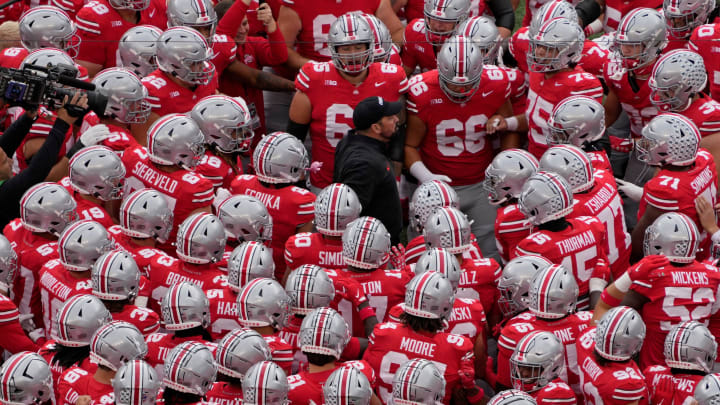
139	377
420	288
7	383
248	253
563	191
128	206
270	143
62	332
691	230
190	231
456	230
677	342
322	318
241	302
440	6
461	43
442	190
366	229
301	285
29	195
157	125
547	280
344	387
335	193
202	10
610	333
350	24
175	304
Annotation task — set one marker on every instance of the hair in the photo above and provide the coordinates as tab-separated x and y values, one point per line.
319	359
171	396
114	305
222	7
230	380
419	324
9	35
66	356
196	331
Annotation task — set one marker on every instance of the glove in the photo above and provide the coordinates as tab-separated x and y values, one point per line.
36	334
423	174
95	134
629	190
397	256
466	372
622	145
642	269
27	322
315	167
221	195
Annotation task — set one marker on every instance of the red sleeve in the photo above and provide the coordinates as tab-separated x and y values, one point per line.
90	32
271	51
14	338
230	23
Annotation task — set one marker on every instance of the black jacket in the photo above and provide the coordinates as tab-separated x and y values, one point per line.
361	163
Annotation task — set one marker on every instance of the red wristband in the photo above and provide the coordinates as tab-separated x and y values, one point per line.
477	397
609	299
366	312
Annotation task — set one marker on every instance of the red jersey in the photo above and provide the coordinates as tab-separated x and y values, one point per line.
306	387
13	57
603	201
349	296
48	350
75	382
167	97
417	50
57	285
675	294
143	255
609	382
466	319
518	89
164	271
120	138
668	388
580	248
455	142
511	226
555	392
217	170
636	104
282	352
600	160
478	281
703	41
615	10
532	6
160	344
224	49
545	93
416	247
414	9
224	393
384	289
705	113
391	345
313	248
145	319
14	338
41	129
87	209
223	312
288	206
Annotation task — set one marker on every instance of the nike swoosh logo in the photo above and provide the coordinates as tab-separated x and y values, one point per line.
379	84
486	94
152	14
558	84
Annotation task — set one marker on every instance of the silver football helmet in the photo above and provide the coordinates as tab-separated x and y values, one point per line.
441	261
351	29
145	214
136	383
78	319
683	16
49	57
190	368
263	302
82	243
185	306
324	331
116	343
707	391
443	12
448	228
553	293
201	239
558	44
197	14
137	5
137	49
48	27
115	276
690	346
428	196
309	287
572	163
619	334
382	41
366	243
460	66
175	139
545	197
47	207
245	218
280	158
543	354
669	139
673	235
418	381
577	120
335	207
429	295
225	122
238	350
515	281
99	172
126	95
505	176
550	10
8	264
483	32
643	30
248	261
184	53
512	397
265	384
347	385
25	378
676	77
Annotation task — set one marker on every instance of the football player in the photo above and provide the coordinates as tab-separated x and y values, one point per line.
418	381
15	339
514	286
24	379
701	41
136	383
335	389
707	389
190	371
512	397
683	16
137	49
245	218
384	50
267	383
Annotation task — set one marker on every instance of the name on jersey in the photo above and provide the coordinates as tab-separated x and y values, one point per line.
330	83
565	335
576	242
601	198
334	259
461	314
269	200
372	288
225	401
591	368
227	308
418	347
468	278
157	180
701	181
289	337
689	277
173	278
56	287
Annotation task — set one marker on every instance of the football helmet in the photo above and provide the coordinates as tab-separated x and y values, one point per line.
175	139
512	397
515	281
541	352
137	5
201	239
137	49
429	295
448	228
263	302
577	120
505	176
190	368
619	334
126	95
48	27
676	77
8	264
483	32
245	218
25	378
184	53
197	14
265	384
707	391
78	319
324	331
553	293
550	10
347	385
47	207
136	383
49	57
280	158
366	243
116	343
545	197
351	29
238	350
115	276
443	262
225	122
428	196
185	306
248	261
460	66
99	172
668	139
690	346
145	214
558	44
572	163
642	29
309	287
335	207
683	16
382	41
418	381
443	11
673	235
82	243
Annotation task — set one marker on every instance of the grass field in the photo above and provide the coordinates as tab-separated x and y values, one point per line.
519	14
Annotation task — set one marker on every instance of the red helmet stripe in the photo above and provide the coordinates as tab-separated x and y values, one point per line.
456	231
6	381
156	128
419	288
461	43
248	253
610	334
265	148
137	382
546	281
350	24
335	193
128	208
320	328
366	229
241	302
190	232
